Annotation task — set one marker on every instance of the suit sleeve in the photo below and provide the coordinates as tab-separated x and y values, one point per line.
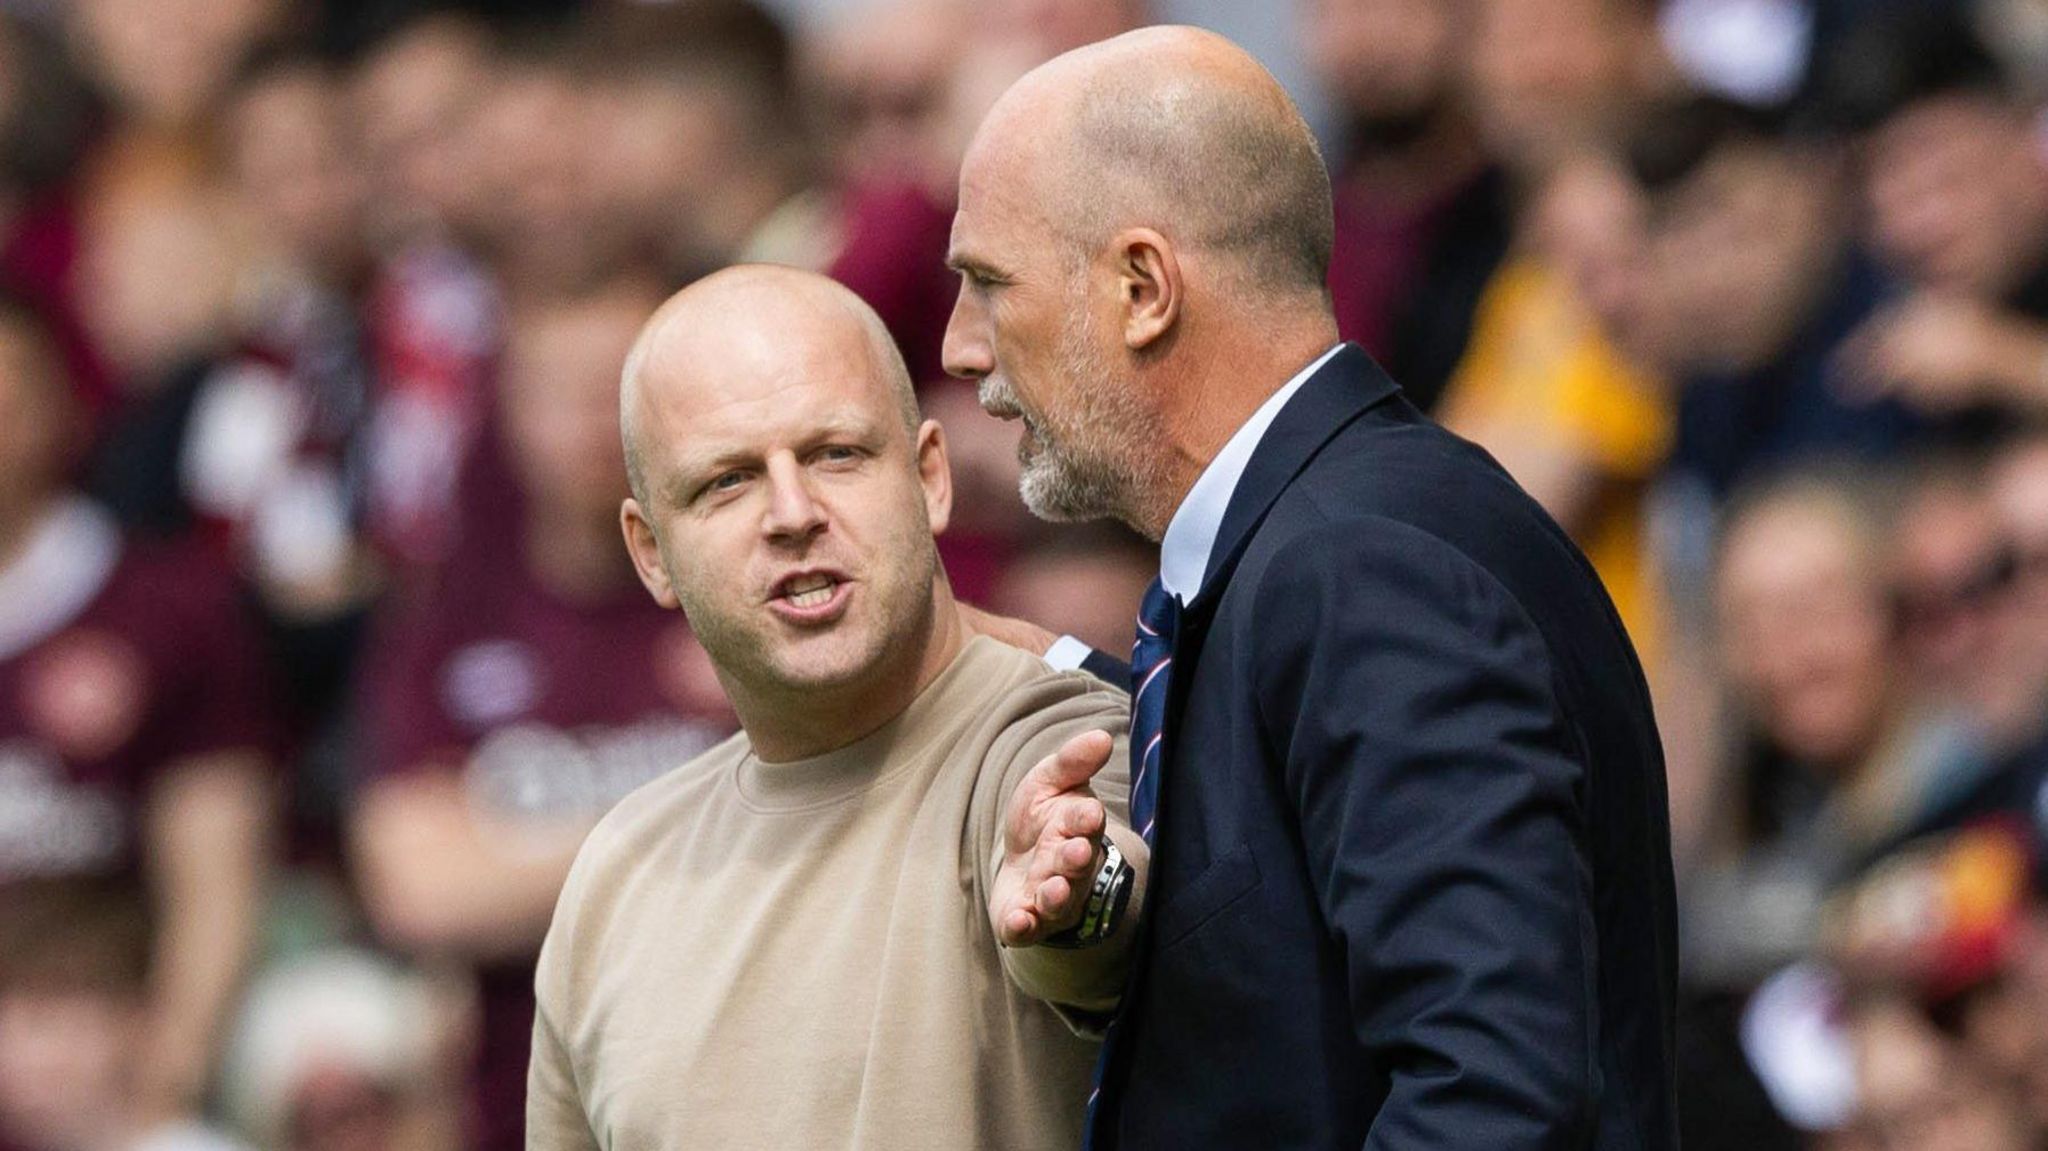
1108	668
1409	698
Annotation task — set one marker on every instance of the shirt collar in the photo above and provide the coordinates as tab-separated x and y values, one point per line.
1191	534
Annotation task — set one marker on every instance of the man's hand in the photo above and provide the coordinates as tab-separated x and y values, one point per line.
1050	834
1942	353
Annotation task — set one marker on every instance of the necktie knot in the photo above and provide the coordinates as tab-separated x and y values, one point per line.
1157	612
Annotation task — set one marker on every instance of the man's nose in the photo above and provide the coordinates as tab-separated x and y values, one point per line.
966	352
792	511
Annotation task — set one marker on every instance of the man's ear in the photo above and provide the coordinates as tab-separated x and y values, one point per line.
646	552
1149	284
935	475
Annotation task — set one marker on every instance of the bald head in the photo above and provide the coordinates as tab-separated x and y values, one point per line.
1175	129
754	319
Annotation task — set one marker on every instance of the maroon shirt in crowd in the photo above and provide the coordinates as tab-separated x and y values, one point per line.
117	661
541	707
1380	249
894	258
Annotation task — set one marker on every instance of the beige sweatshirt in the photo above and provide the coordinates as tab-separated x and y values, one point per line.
795	956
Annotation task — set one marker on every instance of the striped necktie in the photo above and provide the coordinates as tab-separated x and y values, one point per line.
1151	669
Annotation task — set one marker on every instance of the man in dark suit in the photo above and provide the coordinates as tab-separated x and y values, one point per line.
1411	883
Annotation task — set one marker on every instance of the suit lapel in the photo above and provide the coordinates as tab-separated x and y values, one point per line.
1339	392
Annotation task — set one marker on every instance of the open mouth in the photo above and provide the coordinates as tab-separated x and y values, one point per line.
810	591
812	597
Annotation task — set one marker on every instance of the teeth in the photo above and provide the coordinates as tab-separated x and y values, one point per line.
814	597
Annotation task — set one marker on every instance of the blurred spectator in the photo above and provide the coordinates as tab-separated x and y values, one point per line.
274	462
246	392
154	214
2019	492
134	746
1578	424
2009	711
1834	758
881	69
274	451
433	313
884	75
2018	31
74	1011
1541	386
1953	171
702	139
413	94
1957	190
1581	422
528	687
166	64
1552	79
342	1051
1745	283
1953	571
1948	568
1051	27
545	231
46	119
1422	212
1917	1089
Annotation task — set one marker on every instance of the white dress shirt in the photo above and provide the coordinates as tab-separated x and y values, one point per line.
1191	534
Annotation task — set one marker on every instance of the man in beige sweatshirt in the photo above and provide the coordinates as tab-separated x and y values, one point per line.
791	942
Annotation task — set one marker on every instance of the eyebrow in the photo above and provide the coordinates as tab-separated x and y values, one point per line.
963	262
693	471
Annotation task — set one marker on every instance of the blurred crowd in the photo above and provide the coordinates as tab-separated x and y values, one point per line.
319	650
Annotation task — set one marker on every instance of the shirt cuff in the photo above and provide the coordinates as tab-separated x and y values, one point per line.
1067	654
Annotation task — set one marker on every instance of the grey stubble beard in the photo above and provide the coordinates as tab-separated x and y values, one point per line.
1061	484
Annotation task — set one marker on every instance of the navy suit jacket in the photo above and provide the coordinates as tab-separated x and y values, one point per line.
1411	886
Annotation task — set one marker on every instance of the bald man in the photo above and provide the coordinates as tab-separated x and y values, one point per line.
785	943
1412	886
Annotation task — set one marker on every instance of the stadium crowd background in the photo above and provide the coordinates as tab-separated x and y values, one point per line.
319	650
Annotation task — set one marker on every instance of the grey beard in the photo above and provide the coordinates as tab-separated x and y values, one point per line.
1054	489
